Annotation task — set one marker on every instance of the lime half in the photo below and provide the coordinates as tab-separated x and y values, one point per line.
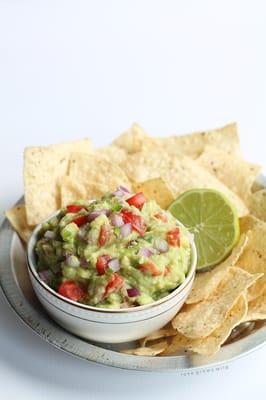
213	221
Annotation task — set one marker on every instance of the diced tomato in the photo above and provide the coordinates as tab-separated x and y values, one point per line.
136	221
102	264
81	220
104	235
115	283
72	290
73	208
137	200
151	268
162	217
173	237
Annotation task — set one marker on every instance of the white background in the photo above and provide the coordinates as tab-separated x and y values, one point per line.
70	69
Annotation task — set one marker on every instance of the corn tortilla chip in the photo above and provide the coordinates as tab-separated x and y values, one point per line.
159	334
153	350
255	290
248	222
93	168
18	220
180	173
257	308
112	153
201	319
192	145
257	204
253	258
72	191
234	172
133	140
212	343
156	189
205	283
43	167
257	185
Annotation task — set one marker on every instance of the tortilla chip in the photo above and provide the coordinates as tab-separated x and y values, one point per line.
179	172
248	222
18	220
134	140
253	258
234	172
205	283
153	350
72	191
212	343
161	333
257	308
112	153
156	189
257	204
43	167
86	168
192	145
201	319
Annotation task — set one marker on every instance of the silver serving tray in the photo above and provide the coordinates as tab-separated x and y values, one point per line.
17	289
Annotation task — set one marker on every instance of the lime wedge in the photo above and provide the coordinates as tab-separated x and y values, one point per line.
213	221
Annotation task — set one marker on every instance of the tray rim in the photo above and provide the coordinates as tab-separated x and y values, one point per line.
109	357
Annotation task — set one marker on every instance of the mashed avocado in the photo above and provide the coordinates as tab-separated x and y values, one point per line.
116	252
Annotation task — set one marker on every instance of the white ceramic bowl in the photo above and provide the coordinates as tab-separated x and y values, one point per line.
108	325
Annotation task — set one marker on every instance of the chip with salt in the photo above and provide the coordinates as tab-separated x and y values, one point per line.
257	308
43	167
72	191
179	172
152	350
134	139
93	168
248	222
159	334
212	343
156	189
253	258
205	283
236	173
112	153
257	204
192	145
17	218
201	319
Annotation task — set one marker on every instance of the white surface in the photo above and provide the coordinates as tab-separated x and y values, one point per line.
71	69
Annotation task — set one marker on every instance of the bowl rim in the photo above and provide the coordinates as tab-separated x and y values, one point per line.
30	259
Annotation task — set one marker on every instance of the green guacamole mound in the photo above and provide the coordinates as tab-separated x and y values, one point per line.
111	253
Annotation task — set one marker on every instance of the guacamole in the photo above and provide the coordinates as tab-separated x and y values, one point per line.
117	252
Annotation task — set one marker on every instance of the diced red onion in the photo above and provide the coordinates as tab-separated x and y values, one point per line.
45	275
126	230
83	262
49	235
145	252
117	220
161	245
96	213
114	264
133	292
72	261
121	191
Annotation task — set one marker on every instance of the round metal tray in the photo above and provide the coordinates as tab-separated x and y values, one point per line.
16	286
